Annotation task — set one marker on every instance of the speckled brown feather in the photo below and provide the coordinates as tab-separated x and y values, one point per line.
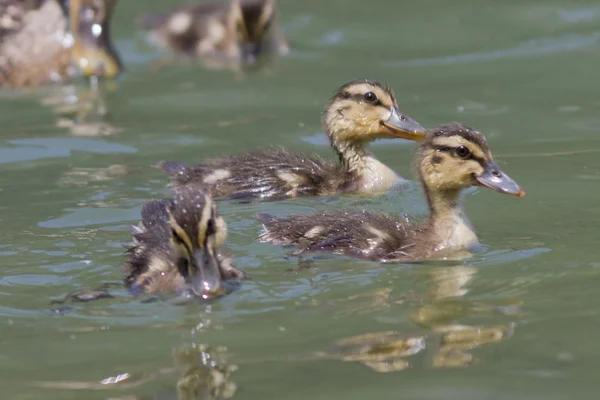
361	234
258	175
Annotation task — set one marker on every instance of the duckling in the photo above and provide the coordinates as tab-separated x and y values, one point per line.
43	41
242	29
176	247
360	112
451	158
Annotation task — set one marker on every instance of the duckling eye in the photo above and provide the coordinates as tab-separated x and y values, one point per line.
370	97
463	152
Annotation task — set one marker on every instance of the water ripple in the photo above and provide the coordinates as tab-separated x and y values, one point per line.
533	47
38	148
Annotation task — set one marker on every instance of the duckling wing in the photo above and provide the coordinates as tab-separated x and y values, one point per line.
151	238
362	234
269	174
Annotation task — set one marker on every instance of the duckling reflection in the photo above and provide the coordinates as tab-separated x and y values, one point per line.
359	113
176	247
456	341
205	375
43	41
83	109
243	30
391	351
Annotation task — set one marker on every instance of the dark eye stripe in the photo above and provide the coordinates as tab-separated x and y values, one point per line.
358	97
176	236
448	149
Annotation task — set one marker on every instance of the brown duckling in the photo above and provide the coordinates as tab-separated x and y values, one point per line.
44	41
360	112
176	247
451	158
240	29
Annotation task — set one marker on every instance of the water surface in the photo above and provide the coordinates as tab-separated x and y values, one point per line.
524	73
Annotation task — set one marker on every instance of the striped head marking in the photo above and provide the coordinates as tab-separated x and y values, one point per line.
455	156
362	111
197	233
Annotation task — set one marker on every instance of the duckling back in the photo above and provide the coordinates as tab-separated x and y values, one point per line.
269	174
364	234
31	47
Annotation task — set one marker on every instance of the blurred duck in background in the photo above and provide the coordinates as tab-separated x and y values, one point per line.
241	30
47	41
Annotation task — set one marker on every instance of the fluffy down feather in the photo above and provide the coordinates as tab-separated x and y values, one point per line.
361	234
268	174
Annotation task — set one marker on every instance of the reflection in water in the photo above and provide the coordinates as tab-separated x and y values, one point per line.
80	176
452	342
83	110
206	376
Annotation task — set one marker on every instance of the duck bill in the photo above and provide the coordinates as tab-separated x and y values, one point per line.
400	125
206	280
92	51
495	179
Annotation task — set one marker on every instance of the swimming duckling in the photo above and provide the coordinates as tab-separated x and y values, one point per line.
176	247
242	29
360	112
44	41
452	157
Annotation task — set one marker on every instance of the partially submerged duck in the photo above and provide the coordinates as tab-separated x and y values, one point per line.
360	112
239	29
176	247
453	157
43	41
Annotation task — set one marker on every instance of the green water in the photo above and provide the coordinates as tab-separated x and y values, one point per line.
523	72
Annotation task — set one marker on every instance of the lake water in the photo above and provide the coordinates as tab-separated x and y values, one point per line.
519	321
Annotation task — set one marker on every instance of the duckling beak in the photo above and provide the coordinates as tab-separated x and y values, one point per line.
250	53
96	61
400	125
495	179
206	279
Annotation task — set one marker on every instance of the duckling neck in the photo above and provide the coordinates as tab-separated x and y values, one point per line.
449	225
373	176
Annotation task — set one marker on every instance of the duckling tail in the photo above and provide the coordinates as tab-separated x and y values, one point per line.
267	219
270	223
175	170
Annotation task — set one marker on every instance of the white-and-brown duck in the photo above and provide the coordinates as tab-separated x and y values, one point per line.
44	41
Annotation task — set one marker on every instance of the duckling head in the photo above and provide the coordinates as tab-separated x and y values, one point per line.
362	111
455	156
197	233
253	25
91	49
